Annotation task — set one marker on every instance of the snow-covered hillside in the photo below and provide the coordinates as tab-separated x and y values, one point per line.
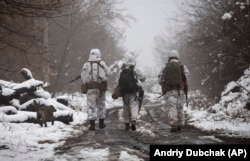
231	115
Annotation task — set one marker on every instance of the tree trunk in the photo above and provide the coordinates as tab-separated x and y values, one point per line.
46	53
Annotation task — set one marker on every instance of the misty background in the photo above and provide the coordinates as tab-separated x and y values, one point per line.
53	38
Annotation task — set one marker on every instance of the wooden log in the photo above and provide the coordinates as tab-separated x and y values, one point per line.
26	73
247	106
66	119
63	101
8	110
24	92
21	94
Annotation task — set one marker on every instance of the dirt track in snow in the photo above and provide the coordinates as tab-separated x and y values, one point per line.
152	128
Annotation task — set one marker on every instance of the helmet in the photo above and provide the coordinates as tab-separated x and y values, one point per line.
129	60
95	53
173	54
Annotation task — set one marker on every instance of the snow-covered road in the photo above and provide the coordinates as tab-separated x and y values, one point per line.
116	143
61	142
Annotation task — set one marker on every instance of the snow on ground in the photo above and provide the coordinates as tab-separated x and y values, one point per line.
230	116
26	141
91	154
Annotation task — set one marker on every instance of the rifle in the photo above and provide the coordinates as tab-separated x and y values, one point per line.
78	77
184	78
160	96
164	90
91	62
186	92
140	98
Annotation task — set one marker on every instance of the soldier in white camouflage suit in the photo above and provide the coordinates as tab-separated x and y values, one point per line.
175	98
94	73
130	100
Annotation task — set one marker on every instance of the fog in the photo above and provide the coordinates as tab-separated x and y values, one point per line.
54	42
151	19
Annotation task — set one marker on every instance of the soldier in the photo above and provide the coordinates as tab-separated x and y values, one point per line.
127	82
173	79
94	75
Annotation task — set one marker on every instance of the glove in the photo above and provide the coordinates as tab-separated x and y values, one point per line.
115	96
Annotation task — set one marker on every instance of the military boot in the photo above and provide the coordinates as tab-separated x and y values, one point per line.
179	128
101	124
174	128
133	127
92	125
127	126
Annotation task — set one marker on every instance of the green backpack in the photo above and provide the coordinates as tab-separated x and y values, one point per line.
172	76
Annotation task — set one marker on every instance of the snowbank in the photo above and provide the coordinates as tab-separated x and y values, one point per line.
230	116
27	141
17	100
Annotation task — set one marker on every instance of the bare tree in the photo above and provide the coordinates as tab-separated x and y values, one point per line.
90	24
53	38
216	42
23	26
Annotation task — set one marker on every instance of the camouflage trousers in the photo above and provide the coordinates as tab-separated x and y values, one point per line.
130	108
96	104
175	102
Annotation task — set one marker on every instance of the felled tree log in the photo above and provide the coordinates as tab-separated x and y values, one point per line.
24	91
63	101
8	110
21	96
65	119
31	117
26	73
5	100
247	106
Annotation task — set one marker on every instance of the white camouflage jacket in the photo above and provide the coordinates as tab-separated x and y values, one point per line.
102	75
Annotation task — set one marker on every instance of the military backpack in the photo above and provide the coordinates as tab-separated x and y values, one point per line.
172	78
128	81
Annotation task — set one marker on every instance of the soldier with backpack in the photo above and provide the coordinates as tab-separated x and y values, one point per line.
127	81
173	80
94	75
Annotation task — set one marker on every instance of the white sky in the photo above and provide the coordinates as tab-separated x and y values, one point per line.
150	18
